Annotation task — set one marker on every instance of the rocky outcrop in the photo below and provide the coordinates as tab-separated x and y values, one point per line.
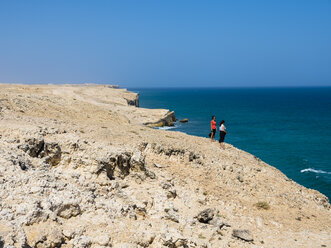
36	147
167	120
133	100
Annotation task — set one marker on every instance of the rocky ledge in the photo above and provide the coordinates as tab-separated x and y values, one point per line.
78	168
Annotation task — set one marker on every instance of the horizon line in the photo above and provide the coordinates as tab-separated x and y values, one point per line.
178	87
226	87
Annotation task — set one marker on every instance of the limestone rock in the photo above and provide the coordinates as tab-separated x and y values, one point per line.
219	223
146	239
158	166
68	210
167	120
242	234
81	241
174	239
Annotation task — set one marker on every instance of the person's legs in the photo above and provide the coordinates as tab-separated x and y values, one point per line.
222	136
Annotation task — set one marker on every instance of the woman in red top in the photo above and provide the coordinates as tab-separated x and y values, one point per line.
213	127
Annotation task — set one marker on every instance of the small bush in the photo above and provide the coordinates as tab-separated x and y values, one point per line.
262	205
220	215
201	236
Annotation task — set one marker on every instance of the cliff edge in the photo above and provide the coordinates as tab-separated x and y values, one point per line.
80	168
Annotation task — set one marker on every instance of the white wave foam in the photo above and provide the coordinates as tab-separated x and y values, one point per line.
315	171
166	128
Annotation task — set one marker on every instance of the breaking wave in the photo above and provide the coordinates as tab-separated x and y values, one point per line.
166	127
315	171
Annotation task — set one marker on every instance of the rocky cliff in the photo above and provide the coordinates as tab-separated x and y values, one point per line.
78	168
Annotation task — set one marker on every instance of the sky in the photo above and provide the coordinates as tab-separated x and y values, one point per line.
181	43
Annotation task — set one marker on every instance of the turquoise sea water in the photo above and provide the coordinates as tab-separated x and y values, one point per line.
289	128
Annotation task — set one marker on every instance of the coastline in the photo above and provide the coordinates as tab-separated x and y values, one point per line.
253	117
160	178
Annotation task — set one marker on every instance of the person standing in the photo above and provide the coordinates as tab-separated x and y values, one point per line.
213	127
222	133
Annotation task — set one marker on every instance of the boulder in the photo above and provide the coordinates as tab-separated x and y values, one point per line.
185	120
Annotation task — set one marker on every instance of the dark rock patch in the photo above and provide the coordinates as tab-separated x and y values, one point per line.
206	215
33	146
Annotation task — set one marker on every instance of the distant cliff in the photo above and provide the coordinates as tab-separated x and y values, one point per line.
133	100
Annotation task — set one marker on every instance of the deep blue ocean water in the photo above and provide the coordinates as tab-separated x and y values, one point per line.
289	128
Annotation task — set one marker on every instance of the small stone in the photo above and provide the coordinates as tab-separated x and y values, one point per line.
242	234
217	222
171	216
68	210
102	240
172	193
158	166
165	185
150	174
206	215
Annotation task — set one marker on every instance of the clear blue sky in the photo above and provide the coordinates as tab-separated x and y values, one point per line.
166	43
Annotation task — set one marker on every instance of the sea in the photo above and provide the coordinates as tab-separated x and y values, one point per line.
288	128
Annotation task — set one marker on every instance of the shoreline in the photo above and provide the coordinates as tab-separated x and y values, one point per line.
165	122
287	150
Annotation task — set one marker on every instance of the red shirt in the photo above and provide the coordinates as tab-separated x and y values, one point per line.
213	124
